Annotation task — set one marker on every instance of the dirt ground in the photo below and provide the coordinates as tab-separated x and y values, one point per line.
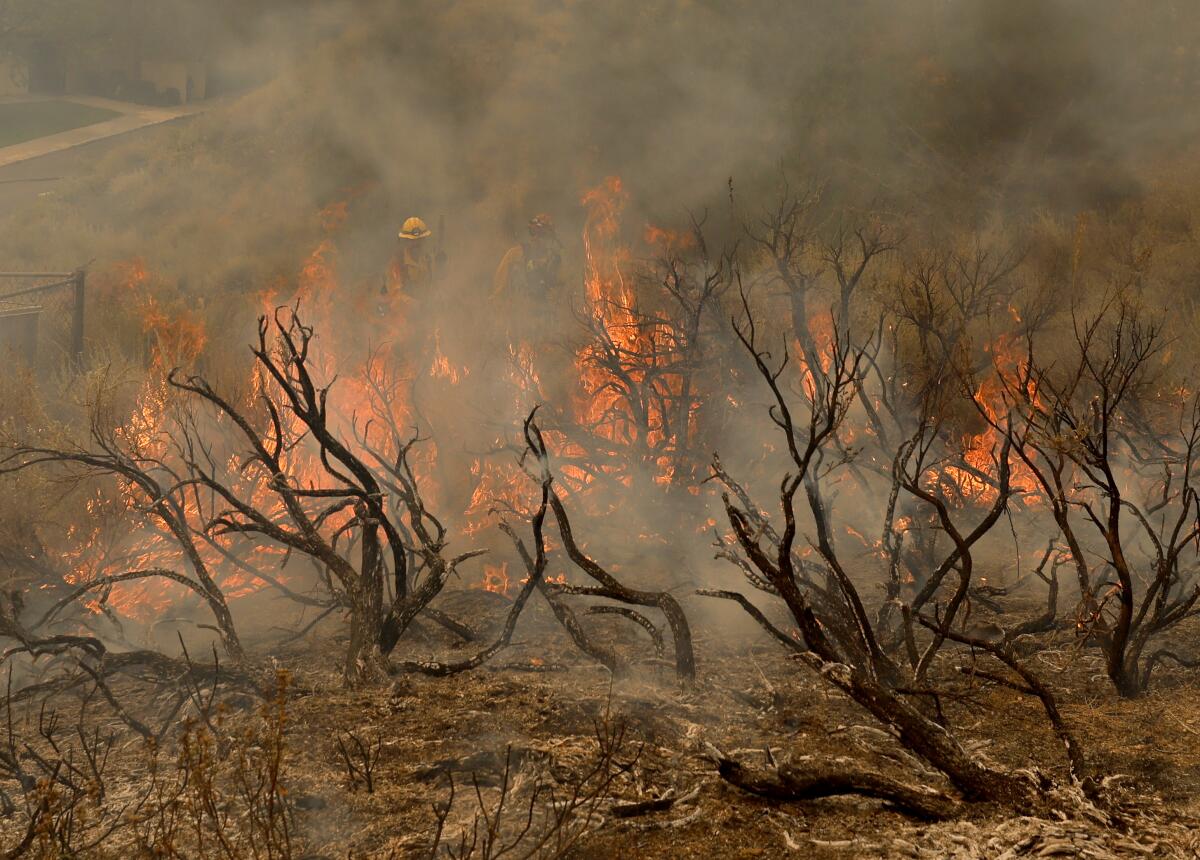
541	702
538	705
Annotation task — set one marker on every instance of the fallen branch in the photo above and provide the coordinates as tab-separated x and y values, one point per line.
791	782
638	619
685	658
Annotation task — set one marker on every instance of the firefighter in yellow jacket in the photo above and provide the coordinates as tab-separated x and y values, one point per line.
404	301
411	270
531	271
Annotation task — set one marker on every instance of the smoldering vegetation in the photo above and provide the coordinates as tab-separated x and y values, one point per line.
818	477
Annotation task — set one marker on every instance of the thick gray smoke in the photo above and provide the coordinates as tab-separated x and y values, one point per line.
487	112
523	103
477	114
530	100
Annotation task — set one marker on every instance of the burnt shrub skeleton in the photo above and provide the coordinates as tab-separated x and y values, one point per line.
888	395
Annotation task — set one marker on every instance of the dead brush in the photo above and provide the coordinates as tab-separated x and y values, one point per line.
549	822
62	775
227	798
360	753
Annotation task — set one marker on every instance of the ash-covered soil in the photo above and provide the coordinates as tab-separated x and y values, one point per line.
540	704
530	729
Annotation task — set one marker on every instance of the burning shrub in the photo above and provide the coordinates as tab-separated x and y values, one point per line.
1108	443
837	636
300	487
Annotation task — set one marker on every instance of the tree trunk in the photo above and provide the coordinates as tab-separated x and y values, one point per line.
832	778
933	743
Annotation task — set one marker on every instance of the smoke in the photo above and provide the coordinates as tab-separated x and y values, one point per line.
476	114
518	106
479	115
486	113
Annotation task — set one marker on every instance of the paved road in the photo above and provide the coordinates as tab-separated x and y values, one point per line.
38	166
130	117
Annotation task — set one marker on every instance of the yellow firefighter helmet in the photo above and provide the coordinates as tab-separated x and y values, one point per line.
415	228
541	224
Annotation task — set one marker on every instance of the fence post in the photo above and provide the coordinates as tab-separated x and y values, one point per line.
79	278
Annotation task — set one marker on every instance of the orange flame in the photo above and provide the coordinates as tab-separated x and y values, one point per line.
495	579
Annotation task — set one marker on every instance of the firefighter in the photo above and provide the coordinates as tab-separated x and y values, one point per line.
404	304
531	271
411	269
531	314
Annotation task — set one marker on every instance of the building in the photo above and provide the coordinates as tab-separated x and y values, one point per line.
189	78
43	68
14	76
